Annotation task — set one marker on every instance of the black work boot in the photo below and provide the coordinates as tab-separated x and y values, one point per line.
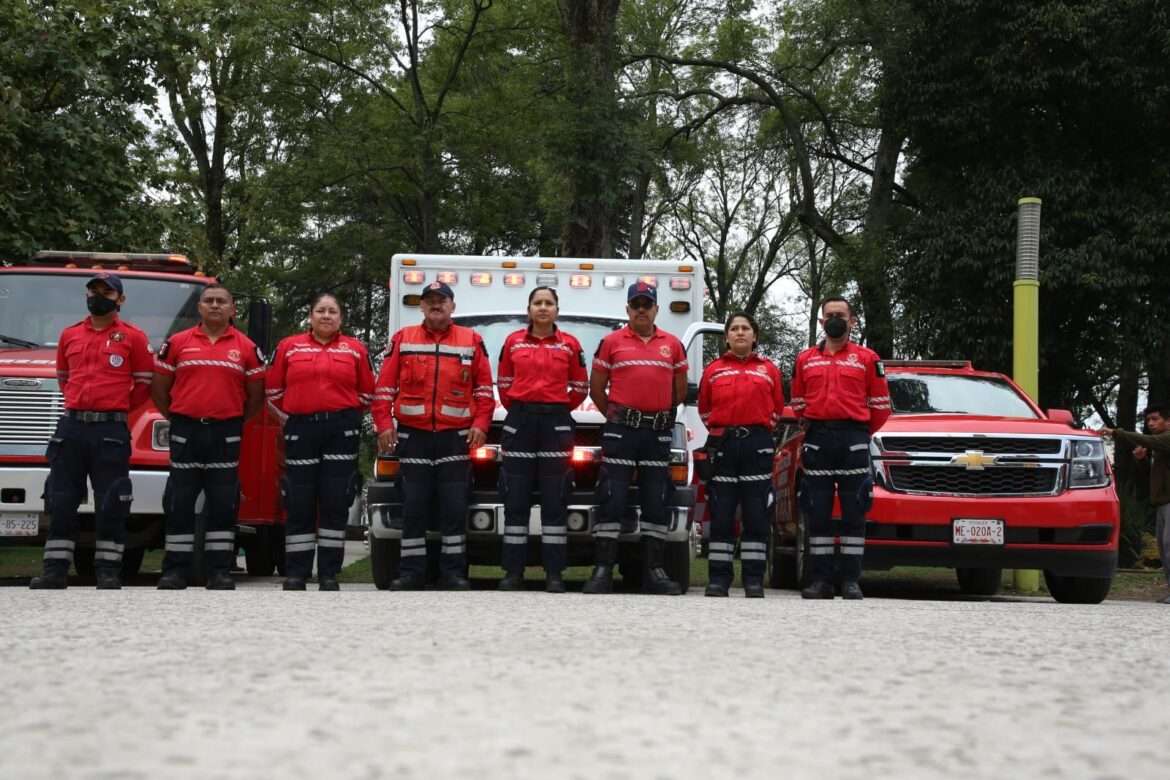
409	582
327	583
554	583
601	580
655	580
50	580
294	583
852	591
819	589
454	582
173	580
717	589
511	581
108	579
753	588
220	580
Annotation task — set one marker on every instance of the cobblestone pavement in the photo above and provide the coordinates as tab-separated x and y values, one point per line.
365	684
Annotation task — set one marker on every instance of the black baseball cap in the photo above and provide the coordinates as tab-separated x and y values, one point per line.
640	289
113	281
438	287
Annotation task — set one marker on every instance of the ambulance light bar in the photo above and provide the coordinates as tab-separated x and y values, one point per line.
121	261
650	280
546	280
448	277
612	282
413	277
680	283
481	279
513	280
580	280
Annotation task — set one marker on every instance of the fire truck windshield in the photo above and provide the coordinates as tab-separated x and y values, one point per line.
950	394
38	306
495	328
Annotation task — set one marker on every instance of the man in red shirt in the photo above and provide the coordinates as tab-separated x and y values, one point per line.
839	390
436	384
207	380
645	369
103	369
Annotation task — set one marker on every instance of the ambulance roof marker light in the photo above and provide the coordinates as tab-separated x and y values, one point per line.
586	266
548	266
508	264
409	261
686	269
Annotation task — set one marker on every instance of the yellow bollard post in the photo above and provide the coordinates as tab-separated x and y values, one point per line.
1026	328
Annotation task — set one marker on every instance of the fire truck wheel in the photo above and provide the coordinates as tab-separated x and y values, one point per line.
678	563
384	557
781	565
1077	590
132	562
979	582
258	552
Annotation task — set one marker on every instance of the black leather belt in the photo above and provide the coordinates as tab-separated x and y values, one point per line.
635	418
322	416
743	431
95	417
525	406
205	420
838	424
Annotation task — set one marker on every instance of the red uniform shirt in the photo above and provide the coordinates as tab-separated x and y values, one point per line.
847	385
548	370
209	377
106	370
641	373
435	380
307	376
740	391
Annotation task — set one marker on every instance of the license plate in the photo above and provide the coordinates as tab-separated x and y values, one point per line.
971	530
19	523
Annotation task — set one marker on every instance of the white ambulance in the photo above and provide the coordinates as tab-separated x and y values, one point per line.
491	296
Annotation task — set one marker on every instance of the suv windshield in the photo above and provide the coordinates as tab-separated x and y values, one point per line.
495	328
950	394
37	307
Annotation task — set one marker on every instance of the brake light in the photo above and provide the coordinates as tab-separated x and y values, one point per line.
582	455
386	468
485	454
678	473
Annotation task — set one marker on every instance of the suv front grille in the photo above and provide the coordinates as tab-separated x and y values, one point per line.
957	481
28	416
959	444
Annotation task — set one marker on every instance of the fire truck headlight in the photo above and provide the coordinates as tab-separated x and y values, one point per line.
1088	464
160	435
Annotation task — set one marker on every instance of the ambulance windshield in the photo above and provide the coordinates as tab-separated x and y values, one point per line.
38	306
494	328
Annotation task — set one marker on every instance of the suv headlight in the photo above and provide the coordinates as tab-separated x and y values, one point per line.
160	435
1088	464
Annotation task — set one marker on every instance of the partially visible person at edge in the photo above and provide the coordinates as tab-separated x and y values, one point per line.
433	403
1156	447
207	380
639	378
324	382
542	378
103	370
740	401
839	390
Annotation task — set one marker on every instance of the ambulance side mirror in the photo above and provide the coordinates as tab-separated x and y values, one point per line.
692	396
260	324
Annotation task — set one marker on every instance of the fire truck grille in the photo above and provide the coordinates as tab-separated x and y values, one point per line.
954	481
29	416
957	444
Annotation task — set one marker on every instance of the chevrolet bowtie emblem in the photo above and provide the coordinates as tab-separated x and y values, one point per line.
973	460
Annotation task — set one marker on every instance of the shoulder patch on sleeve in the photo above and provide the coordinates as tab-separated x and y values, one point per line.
581	356
879	368
165	348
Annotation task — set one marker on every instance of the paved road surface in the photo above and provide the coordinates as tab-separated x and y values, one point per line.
364	684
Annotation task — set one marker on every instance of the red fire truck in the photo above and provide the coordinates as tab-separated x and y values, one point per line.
970	474
38	299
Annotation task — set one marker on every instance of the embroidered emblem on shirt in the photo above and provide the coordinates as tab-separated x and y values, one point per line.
116	361
664	351
234	355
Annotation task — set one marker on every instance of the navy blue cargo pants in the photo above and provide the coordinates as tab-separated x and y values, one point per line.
741	477
537	445
625	449
835	459
320	483
435	466
99	451
205	458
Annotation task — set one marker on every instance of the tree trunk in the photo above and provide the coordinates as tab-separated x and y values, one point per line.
1127	395
1158	362
872	268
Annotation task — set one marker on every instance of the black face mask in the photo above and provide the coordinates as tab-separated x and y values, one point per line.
836	327
100	306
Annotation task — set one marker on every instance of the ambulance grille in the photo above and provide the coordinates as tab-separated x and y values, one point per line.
28	416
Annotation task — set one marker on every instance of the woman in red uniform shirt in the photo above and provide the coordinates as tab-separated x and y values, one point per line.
541	380
740	402
323	381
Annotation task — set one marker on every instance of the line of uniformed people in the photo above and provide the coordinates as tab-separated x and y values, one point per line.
432	403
